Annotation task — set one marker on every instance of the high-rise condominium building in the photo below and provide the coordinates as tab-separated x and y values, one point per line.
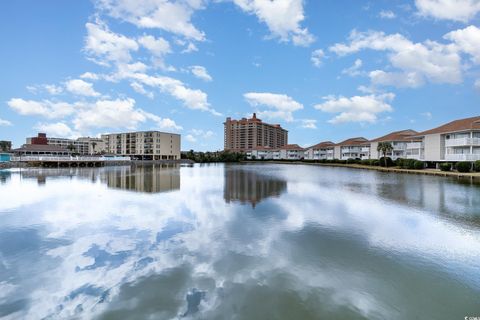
145	145
248	134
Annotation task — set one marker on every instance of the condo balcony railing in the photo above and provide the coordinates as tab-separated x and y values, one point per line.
414	145
415	156
399	147
462	142
462	157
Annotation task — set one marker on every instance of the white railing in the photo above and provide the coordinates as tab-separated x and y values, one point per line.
414	156
462	142
365	149
399	147
462	157
66	158
414	145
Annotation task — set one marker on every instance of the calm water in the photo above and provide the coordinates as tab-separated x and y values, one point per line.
237	242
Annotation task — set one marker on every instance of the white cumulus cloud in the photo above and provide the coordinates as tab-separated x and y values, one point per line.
387	14
456	10
279	106
363	109
309	123
44	108
169	15
317	57
104	46
81	88
283	18
419	62
58	129
5	123
201	73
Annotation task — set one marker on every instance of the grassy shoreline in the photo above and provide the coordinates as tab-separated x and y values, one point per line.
434	172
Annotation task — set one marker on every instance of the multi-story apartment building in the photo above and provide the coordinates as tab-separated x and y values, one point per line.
321	151
144	145
248	134
399	140
287	152
458	140
83	146
353	148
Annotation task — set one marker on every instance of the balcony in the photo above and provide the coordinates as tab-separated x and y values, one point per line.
414	145
462	157
462	142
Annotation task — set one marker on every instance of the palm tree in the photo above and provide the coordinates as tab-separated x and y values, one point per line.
384	148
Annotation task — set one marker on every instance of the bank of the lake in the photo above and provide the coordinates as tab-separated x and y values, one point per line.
475	176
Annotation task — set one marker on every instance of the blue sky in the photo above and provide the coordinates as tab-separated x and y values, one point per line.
324	69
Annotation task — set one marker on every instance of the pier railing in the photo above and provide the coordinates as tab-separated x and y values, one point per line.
66	159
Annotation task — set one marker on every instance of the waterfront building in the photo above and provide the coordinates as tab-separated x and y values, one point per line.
287	152
143	145
41	150
292	152
82	146
263	153
399	141
247	134
321	151
457	140
353	148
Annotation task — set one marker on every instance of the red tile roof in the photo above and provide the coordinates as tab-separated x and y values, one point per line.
353	142
472	123
291	147
324	144
403	135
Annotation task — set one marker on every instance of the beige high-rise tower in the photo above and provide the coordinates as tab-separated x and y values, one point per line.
248	134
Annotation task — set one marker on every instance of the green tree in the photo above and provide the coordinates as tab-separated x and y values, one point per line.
384	148
3	146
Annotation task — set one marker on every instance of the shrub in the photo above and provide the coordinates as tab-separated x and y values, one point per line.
399	162
366	162
477	166
389	162
463	166
418	165
351	161
375	163
446	166
408	164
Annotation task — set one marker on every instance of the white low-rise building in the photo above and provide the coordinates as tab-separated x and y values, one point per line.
353	148
458	140
287	152
321	151
401	141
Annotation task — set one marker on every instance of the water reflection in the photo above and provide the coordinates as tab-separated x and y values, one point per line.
146	178
142	178
335	244
250	186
